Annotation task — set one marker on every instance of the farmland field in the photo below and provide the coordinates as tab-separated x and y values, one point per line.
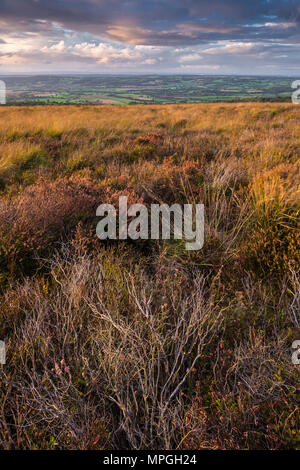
141	344
144	89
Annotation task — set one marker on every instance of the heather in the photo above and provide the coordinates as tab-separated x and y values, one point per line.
142	344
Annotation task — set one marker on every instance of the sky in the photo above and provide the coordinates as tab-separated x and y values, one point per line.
241	37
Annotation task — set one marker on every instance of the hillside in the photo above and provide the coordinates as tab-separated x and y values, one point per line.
143	89
142	344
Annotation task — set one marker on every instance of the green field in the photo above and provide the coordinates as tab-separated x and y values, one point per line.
147	89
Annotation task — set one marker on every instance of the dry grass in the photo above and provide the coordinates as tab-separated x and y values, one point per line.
126	345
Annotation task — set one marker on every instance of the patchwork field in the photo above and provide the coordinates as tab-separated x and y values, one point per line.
142	344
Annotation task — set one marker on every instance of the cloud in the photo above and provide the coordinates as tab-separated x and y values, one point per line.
72	49
56	48
200	68
190	58
104	53
286	25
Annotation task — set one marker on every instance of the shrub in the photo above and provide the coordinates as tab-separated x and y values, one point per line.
33	222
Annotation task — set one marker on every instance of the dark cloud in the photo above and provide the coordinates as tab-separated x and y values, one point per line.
163	22
222	36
